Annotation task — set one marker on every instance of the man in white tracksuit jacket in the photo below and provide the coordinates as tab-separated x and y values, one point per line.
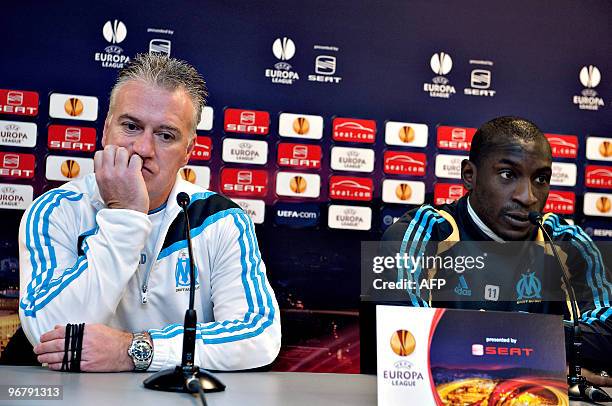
109	249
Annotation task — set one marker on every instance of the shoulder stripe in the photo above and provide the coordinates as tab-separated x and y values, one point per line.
601	288
420	230
202	207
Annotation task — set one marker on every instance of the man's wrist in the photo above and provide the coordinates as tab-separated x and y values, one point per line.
140	351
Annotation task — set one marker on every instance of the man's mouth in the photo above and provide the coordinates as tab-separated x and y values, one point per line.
517	219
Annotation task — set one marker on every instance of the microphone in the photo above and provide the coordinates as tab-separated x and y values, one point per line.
579	387
187	377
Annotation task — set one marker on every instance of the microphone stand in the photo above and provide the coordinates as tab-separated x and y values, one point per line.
186	377
579	387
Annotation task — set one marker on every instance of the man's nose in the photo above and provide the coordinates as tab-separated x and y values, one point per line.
144	145
524	193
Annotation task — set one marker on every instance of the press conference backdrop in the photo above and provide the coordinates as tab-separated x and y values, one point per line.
326	121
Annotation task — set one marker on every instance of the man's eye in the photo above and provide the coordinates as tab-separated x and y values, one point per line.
130	126
166	136
542	179
506	175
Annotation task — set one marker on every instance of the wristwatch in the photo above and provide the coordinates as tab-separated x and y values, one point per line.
141	351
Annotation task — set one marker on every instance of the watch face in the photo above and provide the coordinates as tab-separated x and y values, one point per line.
141	350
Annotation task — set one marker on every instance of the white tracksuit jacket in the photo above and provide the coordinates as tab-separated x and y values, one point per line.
81	262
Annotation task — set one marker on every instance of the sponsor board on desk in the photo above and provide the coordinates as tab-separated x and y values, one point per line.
406	134
405	163
446	193
597	176
16	165
563	174
304	126
202	149
352	159
354	130
349	217
455	138
599	148
16	197
244	182
245	151
297	215
71	138
295	184
19	102
299	156
480	364
18	134
598	204
256	209
198	175
73	107
206	119
351	188
403	192
63	168
563	146
560	202
246	121
449	166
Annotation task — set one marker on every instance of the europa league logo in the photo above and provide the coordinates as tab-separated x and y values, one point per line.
298	184
301	125
73	107
403	191
406	134
605	149
188	174
70	168
603	204
403	343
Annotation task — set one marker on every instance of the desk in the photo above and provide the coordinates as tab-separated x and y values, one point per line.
252	389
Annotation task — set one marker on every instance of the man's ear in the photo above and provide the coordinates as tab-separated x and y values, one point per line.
468	174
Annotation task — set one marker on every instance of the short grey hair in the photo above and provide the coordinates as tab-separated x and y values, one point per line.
167	73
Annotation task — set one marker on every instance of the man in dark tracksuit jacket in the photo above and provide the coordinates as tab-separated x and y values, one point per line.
507	176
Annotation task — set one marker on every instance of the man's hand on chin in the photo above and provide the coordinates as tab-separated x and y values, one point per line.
119	178
104	349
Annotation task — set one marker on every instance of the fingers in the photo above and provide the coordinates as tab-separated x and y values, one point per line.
121	157
109	156
51	358
135	162
50	346
57	332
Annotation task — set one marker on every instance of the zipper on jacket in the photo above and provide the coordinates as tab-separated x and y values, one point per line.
143	292
145	285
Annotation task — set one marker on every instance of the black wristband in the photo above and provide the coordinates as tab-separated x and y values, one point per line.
73	344
79	346
66	347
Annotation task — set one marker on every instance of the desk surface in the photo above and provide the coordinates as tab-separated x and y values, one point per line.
256	388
